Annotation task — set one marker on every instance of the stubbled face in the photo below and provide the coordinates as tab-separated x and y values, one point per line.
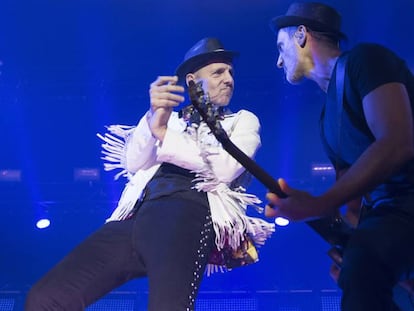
218	82
289	57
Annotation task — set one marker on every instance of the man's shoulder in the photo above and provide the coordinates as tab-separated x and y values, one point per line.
370	50
244	116
370	65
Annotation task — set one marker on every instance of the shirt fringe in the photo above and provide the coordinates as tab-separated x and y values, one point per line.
113	149
228	206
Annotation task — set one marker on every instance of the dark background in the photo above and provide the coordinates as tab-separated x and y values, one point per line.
71	67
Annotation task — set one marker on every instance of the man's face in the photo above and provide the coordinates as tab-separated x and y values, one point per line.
218	82
289	57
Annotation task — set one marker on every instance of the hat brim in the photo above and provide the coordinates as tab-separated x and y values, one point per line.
196	62
287	21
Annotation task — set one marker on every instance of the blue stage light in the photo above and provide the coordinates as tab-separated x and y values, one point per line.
280	221
43	223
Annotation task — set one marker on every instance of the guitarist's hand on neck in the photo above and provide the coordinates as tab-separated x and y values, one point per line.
298	206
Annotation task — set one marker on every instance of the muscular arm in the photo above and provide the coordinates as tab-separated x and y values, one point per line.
389	117
388	113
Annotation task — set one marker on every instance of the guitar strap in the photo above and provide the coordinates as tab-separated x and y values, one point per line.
340	84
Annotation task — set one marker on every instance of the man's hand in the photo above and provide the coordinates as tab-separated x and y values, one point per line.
163	99
298	206
334	272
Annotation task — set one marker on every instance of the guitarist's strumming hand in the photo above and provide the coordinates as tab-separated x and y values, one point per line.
297	206
163	99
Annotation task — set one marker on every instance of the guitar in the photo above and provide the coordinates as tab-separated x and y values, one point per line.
333	230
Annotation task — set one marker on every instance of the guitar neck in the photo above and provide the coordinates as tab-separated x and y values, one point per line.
252	167
332	229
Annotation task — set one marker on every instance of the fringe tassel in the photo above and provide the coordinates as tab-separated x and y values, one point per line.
230	222
114	159
210	269
228	207
113	148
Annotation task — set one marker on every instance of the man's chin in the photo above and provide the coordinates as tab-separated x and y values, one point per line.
294	80
223	101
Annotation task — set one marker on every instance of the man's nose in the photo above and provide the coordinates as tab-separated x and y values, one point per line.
228	78
279	62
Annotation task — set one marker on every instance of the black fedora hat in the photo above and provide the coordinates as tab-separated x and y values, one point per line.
316	16
205	51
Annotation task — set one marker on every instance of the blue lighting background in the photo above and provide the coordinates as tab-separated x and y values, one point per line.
71	67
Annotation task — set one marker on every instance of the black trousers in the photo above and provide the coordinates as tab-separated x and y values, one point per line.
168	240
378	255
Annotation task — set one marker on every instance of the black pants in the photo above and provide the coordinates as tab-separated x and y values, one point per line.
378	255
168	240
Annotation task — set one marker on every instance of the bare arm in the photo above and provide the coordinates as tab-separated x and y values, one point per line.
388	113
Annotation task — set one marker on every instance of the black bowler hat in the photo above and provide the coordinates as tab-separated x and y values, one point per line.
204	52
316	16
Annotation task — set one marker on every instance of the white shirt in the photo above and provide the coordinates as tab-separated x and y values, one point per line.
197	150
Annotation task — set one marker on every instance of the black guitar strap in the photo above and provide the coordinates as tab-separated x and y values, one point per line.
340	84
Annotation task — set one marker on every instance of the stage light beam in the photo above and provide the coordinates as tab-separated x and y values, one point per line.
282	222
43	223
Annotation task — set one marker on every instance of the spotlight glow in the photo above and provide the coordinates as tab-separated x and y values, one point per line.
43	223
280	221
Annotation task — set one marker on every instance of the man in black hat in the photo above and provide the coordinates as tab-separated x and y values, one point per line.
366	128
183	208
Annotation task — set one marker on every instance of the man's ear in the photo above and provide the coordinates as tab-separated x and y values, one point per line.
189	77
300	35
